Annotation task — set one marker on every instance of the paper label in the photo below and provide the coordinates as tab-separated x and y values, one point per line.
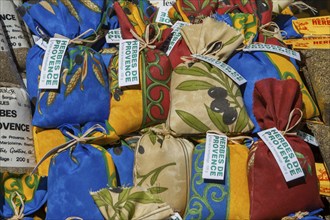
176	35
51	65
16	142
176	216
309	43
308	138
215	157
160	3
40	42
162	15
313	25
3	41
273	48
228	70
128	72
113	36
8	15
283	154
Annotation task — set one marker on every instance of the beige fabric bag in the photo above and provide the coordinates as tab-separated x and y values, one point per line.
163	164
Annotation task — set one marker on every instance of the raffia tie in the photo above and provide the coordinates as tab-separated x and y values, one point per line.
288	129
72	143
79	39
303	6
146	42
234	139
18	211
209	51
298	215
163	130
266	29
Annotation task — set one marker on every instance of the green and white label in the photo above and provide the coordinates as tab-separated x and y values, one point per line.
228	70
308	138
283	154
128	73
215	157
176	35
113	36
162	15
51	65
176	216
274	49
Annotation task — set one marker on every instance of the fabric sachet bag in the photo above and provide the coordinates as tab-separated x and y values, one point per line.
78	168
216	199
163	164
21	195
147	103
277	104
192	11
83	82
202	96
255	66
123	158
131	203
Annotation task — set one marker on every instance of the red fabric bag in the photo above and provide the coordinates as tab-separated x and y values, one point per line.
271	197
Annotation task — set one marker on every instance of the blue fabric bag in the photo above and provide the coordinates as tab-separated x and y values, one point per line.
76	171
123	158
84	83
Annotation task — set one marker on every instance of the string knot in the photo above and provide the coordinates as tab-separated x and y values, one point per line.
18	211
71	143
147	42
288	129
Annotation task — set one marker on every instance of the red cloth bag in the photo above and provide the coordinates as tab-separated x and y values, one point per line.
271	197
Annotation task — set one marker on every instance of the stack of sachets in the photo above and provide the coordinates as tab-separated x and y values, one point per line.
159	109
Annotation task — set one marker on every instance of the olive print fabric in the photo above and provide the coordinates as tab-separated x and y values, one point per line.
84	83
202	96
163	164
277	197
135	203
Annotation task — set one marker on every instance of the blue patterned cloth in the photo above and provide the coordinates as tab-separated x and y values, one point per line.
75	172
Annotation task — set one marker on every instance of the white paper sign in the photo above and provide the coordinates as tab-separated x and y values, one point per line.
3	41
16	142
308	138
273	48
283	154
162	15
51	65
176	35
128	72
113	36
228	70
215	157
13	27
